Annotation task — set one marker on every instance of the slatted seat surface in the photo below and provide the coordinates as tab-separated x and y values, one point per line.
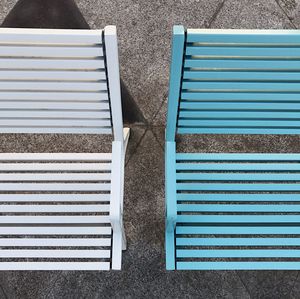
240	82
238	211
233	211
53	81
55	211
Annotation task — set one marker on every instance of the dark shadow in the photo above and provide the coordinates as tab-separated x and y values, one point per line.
62	14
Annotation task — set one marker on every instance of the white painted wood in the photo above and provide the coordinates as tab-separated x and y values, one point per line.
70	176
36	197
55	157
53	219
112	61
51	266
62	130
49	86
50	36
54	105
59	242
55	166
55	96
53	208
54	254
63	230
54	187
51	51
56	64
53	75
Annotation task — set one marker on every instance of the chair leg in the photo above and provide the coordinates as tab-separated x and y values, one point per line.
126	132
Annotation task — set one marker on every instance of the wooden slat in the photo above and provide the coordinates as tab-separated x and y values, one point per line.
59	242
50	36
37	177
53	75
54	187
70	64
50	266
55	254
63	230
54	96
53	220
53	86
54	167
54	208
48	51
55	156
55	197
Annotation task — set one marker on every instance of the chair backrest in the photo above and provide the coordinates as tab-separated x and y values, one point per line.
234	82
60	81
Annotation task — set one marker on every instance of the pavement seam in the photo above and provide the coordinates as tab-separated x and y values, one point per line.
165	97
243	283
208	24
285	13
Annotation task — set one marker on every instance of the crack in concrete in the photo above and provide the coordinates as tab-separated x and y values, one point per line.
285	13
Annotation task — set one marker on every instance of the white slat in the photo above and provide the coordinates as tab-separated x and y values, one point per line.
50	266
53	75
54	105
53	208
56	114
55	176
51	51
101	197
55	157
53	86
42	253
54	96
55	166
59	130
54	219
70	64
64	230
59	242
54	123
50	36
53	187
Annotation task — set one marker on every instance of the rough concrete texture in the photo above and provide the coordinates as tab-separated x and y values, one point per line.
144	33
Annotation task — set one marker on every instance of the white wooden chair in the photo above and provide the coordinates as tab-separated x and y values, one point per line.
61	211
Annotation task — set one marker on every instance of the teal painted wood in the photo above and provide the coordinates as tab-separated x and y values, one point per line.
175	80
171	208
245	265
236	206
235	230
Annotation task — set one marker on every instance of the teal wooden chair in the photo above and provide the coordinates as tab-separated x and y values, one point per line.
233	211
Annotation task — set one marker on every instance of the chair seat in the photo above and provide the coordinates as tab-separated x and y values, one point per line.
55	211
237	211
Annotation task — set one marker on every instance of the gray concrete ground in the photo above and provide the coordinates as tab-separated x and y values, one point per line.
144	32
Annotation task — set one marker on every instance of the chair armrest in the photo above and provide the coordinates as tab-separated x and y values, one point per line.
170	185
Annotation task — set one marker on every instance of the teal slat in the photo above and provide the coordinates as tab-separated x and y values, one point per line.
237	241
242	76
175	81
278	208
277	131
237	157
244	265
276	37
237	197
238	123
242	96
237	230
239	115
238	219
236	253
242	64
240	86
276	167
238	176
253	52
